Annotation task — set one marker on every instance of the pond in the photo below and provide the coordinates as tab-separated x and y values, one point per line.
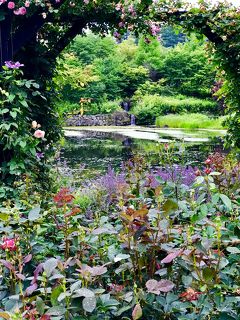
89	151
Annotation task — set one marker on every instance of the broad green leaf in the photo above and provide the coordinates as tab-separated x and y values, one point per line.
233	250
56	311
227	202
34	214
40	305
50	265
89	304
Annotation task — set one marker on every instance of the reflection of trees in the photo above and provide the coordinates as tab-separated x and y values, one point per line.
98	153
94	152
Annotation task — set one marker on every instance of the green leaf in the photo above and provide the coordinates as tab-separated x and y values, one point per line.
89	304
50	265
56	311
11	97
5	110
24	103
4	216
34	214
227	202
170	205
13	114
208	274
40	306
233	250
23	144
55	294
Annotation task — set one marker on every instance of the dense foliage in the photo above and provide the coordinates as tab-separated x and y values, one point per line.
138	244
103	70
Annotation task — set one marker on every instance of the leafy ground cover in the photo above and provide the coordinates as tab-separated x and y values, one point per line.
142	243
190	121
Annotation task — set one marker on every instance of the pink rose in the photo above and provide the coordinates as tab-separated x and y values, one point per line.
39	134
20	12
11	5
27	4
9	244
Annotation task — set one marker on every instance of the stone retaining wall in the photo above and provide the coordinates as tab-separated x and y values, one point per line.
114	119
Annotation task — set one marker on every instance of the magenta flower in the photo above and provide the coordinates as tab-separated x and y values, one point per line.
13	65
9	244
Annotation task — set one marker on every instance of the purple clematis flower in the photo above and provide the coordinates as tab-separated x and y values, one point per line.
13	65
39	155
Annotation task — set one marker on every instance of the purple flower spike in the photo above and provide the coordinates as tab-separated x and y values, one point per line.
13	65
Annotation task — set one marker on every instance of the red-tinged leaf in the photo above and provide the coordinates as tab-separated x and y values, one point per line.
45	317
137	312
38	270
165	285
171	256
31	289
27	258
20	276
152	286
156	287
7	264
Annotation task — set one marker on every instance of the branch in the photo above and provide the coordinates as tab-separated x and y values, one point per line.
68	36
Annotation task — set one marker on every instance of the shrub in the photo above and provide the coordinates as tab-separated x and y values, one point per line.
190	121
153	106
109	106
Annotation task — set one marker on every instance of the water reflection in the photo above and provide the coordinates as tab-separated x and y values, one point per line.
90	153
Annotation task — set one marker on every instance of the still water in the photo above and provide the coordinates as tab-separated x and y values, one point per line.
88	152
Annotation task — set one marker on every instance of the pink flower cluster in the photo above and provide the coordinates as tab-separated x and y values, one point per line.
40	134
9	244
19	11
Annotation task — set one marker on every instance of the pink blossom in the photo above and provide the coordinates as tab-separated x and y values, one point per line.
9	244
39	134
20	12
11	5
86	1
27	4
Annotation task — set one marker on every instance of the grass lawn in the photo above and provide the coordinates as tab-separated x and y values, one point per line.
190	121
